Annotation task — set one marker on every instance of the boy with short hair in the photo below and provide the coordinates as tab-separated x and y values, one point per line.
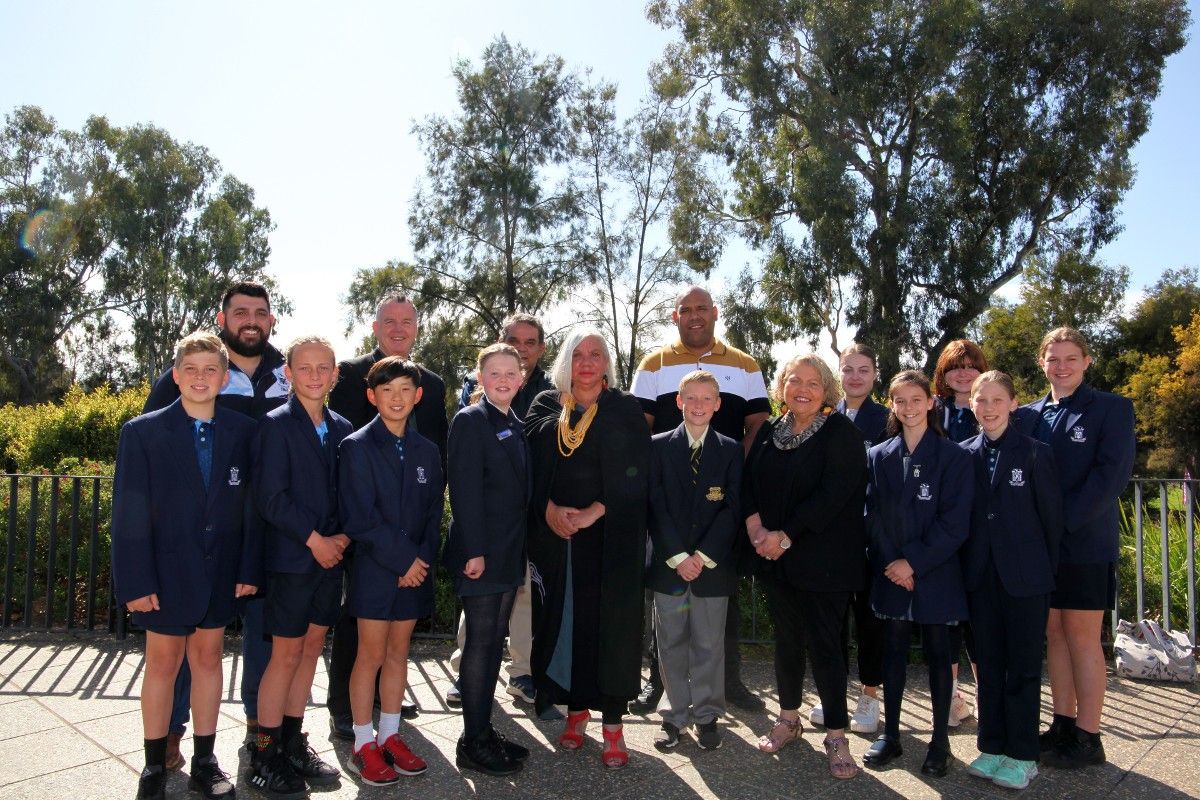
295	485
390	491
696	474
183	551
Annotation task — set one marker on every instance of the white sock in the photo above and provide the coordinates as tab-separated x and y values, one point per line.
954	690
388	724
363	735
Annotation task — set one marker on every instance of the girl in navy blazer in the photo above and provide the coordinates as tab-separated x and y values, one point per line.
488	472
390	496
918	512
1092	436
1009	563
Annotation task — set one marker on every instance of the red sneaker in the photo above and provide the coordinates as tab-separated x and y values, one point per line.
370	764
401	758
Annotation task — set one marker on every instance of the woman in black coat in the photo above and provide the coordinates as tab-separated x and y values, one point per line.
802	498
587	541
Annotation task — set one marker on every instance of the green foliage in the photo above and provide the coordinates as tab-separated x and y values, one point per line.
1152	554
1166	397
917	153
84	427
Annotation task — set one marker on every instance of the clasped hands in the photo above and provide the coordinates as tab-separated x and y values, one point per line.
690	568
415	575
327	550
900	572
766	543
566	521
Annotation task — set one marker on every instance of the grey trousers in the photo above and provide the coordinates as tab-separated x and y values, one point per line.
691	657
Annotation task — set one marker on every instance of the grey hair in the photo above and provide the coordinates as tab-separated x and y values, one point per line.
560	373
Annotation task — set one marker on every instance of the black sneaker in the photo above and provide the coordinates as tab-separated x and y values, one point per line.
647	700
485	754
513	750
708	735
667	737
272	774
741	697
307	764
409	710
342	727
152	784
209	780
1083	749
1059	733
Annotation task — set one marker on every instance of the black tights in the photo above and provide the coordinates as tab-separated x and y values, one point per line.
935	640
487	626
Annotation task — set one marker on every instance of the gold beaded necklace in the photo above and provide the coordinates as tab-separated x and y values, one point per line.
569	439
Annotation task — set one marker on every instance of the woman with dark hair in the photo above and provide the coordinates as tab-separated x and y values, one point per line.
587	542
802	497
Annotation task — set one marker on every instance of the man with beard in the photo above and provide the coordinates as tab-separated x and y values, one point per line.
744	407
256	386
395	327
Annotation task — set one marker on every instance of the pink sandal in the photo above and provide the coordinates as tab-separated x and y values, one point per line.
782	733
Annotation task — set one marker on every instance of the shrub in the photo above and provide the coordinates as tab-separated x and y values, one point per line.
1152	556
84	426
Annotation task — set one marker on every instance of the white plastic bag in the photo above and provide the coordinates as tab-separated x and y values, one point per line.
1144	650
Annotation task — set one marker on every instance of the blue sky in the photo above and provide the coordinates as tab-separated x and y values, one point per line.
312	104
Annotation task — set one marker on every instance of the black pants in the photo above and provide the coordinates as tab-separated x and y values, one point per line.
962	634
935	640
812	622
1009	652
868	632
487	626
342	652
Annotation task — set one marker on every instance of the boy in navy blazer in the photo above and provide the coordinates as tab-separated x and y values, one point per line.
295	483
390	496
1092	436
1009	562
694	482
184	549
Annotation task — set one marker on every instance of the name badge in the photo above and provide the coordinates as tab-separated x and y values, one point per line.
715	493
503	434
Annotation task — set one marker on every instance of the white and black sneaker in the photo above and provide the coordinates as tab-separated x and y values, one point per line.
667	737
272	774
210	780
307	764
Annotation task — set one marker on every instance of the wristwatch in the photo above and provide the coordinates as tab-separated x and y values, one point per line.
785	542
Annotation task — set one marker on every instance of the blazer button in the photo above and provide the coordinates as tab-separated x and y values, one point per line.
991	515
208	528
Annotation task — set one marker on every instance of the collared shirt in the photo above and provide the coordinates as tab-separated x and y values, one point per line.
991	450
694	443
202	436
1051	413
323	430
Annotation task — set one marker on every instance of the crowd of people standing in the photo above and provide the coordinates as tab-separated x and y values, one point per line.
306	496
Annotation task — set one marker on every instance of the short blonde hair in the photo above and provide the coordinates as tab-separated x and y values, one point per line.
560	373
1063	334
829	384
700	376
301	341
1001	379
201	342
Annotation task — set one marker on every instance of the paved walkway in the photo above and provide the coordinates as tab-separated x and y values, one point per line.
70	728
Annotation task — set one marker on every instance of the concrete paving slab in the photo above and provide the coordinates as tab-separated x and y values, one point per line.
102	780
44	753
26	717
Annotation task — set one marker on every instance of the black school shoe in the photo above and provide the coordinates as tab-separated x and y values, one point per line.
739	696
1060	732
272	774
485	754
209	780
514	751
883	751
937	762
307	764
647	700
1083	749
152	784
342	727
409	710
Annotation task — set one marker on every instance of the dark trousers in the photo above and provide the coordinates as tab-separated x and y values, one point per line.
935	640
812	622
487	627
342	652
962	634
1009	652
868	632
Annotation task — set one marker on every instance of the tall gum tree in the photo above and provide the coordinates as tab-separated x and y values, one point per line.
916	152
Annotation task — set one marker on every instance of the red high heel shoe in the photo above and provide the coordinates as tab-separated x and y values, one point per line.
615	754
572	736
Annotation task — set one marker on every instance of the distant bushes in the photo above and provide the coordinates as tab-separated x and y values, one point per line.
84	426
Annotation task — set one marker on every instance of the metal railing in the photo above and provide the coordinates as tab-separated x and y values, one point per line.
56	558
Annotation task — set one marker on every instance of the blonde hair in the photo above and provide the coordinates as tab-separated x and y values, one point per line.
301	341
1002	379
560	373
498	349
201	342
700	376
1063	334
829	384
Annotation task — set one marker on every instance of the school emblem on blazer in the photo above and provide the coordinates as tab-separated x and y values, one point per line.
715	493
421	475
234	478
1017	479
1078	434
923	492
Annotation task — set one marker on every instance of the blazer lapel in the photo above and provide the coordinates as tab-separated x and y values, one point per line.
1079	403
182	438
386	443
307	429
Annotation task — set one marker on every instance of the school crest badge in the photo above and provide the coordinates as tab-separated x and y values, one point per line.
1078	435
421	475
1017	478
923	492
715	494
234	478
916	470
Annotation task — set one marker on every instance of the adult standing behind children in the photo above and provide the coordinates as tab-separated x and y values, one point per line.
396	327
744	407
256	386
488	479
523	332
1092	436
183	550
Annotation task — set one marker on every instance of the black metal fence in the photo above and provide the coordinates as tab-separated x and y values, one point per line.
57	575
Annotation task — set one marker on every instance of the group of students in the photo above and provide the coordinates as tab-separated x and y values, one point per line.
207	505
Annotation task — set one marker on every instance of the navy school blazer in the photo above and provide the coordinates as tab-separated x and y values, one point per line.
392	510
871	419
923	518
172	536
489	478
687	516
1093	444
295	484
1016	518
